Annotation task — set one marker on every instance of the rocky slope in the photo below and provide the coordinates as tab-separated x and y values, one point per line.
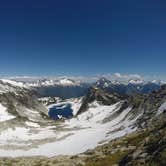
21	102
101	96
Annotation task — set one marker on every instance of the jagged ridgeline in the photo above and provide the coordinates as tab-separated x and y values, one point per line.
68	88
103	97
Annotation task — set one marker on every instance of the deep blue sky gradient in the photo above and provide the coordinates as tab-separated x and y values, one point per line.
82	37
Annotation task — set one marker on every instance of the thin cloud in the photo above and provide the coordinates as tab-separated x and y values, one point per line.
128	76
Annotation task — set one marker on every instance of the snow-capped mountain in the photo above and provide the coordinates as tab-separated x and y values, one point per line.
18	101
44	82
103	83
128	88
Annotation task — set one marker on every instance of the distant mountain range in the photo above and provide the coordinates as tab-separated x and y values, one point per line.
73	81
69	88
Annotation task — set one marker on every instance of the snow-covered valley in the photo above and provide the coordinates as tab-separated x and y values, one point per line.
73	136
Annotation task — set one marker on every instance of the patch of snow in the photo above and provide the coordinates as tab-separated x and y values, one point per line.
106	84
24	134
161	109
4	115
32	124
75	105
136	81
60	116
162	82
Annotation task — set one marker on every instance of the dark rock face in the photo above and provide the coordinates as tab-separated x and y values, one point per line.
108	86
148	105
163	87
103	83
99	95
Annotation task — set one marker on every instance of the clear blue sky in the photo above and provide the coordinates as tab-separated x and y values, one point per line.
82	37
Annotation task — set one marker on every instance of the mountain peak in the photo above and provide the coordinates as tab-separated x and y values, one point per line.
99	95
103	82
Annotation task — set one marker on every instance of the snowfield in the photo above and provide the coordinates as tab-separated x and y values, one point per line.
73	136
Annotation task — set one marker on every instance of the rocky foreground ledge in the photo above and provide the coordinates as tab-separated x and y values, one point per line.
145	147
